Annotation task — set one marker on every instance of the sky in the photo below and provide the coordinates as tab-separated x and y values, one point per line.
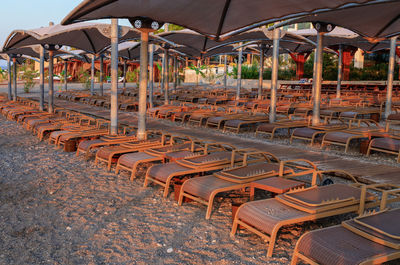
31	14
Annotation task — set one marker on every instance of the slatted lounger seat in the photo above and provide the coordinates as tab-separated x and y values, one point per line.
390	145
163	174
266	217
369	239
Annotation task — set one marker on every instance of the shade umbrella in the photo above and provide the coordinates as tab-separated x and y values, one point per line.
208	17
73	54
16	54
91	37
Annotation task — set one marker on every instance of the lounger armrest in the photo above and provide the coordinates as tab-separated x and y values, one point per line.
282	164
385	189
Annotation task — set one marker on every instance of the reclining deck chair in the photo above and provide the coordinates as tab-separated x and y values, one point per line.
266	217
110	154
271	128
371	238
216	157
180	147
236	124
205	189
310	133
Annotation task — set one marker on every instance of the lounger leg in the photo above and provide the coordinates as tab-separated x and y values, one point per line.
146	178
209	206
109	163
133	173
166	188
117	168
234	227
272	242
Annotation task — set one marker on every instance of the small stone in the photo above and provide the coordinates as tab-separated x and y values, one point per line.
170	250
68	228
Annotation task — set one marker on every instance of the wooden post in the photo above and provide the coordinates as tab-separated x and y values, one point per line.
10	97
274	75
388	105
101	75
151	75
318	80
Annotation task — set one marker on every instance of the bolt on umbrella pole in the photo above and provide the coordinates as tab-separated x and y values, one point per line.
144	56
151	75
15	78
166	77
340	71
41	97
318	80
65	75
114	78
225	70
92	76
260	77
392	57
239	73
274	75
51	82
101	75
9	78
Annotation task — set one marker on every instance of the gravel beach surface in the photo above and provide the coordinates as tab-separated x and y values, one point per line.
56	208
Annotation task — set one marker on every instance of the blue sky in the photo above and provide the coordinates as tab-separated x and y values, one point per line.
30	14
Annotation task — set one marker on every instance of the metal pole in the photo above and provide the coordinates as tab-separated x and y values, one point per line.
314	71
41	98
388	106
144	57
239	73
151	75
15	78
225	70
260	77
101	75
51	82
92	76
124	86
166	77
274	75
65	75
114	78
197	76
340	71
162	73
9	78
318	80
174	72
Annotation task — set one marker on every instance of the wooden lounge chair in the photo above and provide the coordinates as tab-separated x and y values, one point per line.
271	128
204	189
266	217
72	138
310	133
237	124
110	154
179	147
88	146
222	155
371	238
345	137
387	144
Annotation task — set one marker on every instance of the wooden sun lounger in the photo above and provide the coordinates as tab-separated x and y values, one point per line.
205	189
73	137
310	133
88	146
371	238
236	124
271	128
387	144
344	137
266	217
178	149
110	154
222	156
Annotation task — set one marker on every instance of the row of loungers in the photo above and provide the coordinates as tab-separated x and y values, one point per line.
181	159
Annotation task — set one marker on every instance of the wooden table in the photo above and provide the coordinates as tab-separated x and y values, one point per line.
275	185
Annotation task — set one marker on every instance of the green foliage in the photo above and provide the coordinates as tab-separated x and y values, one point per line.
198	70
84	78
28	77
3	75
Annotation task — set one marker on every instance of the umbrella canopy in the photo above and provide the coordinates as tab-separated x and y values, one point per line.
376	20
20	60
74	54
342	36
90	37
32	51
209	17
131	50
